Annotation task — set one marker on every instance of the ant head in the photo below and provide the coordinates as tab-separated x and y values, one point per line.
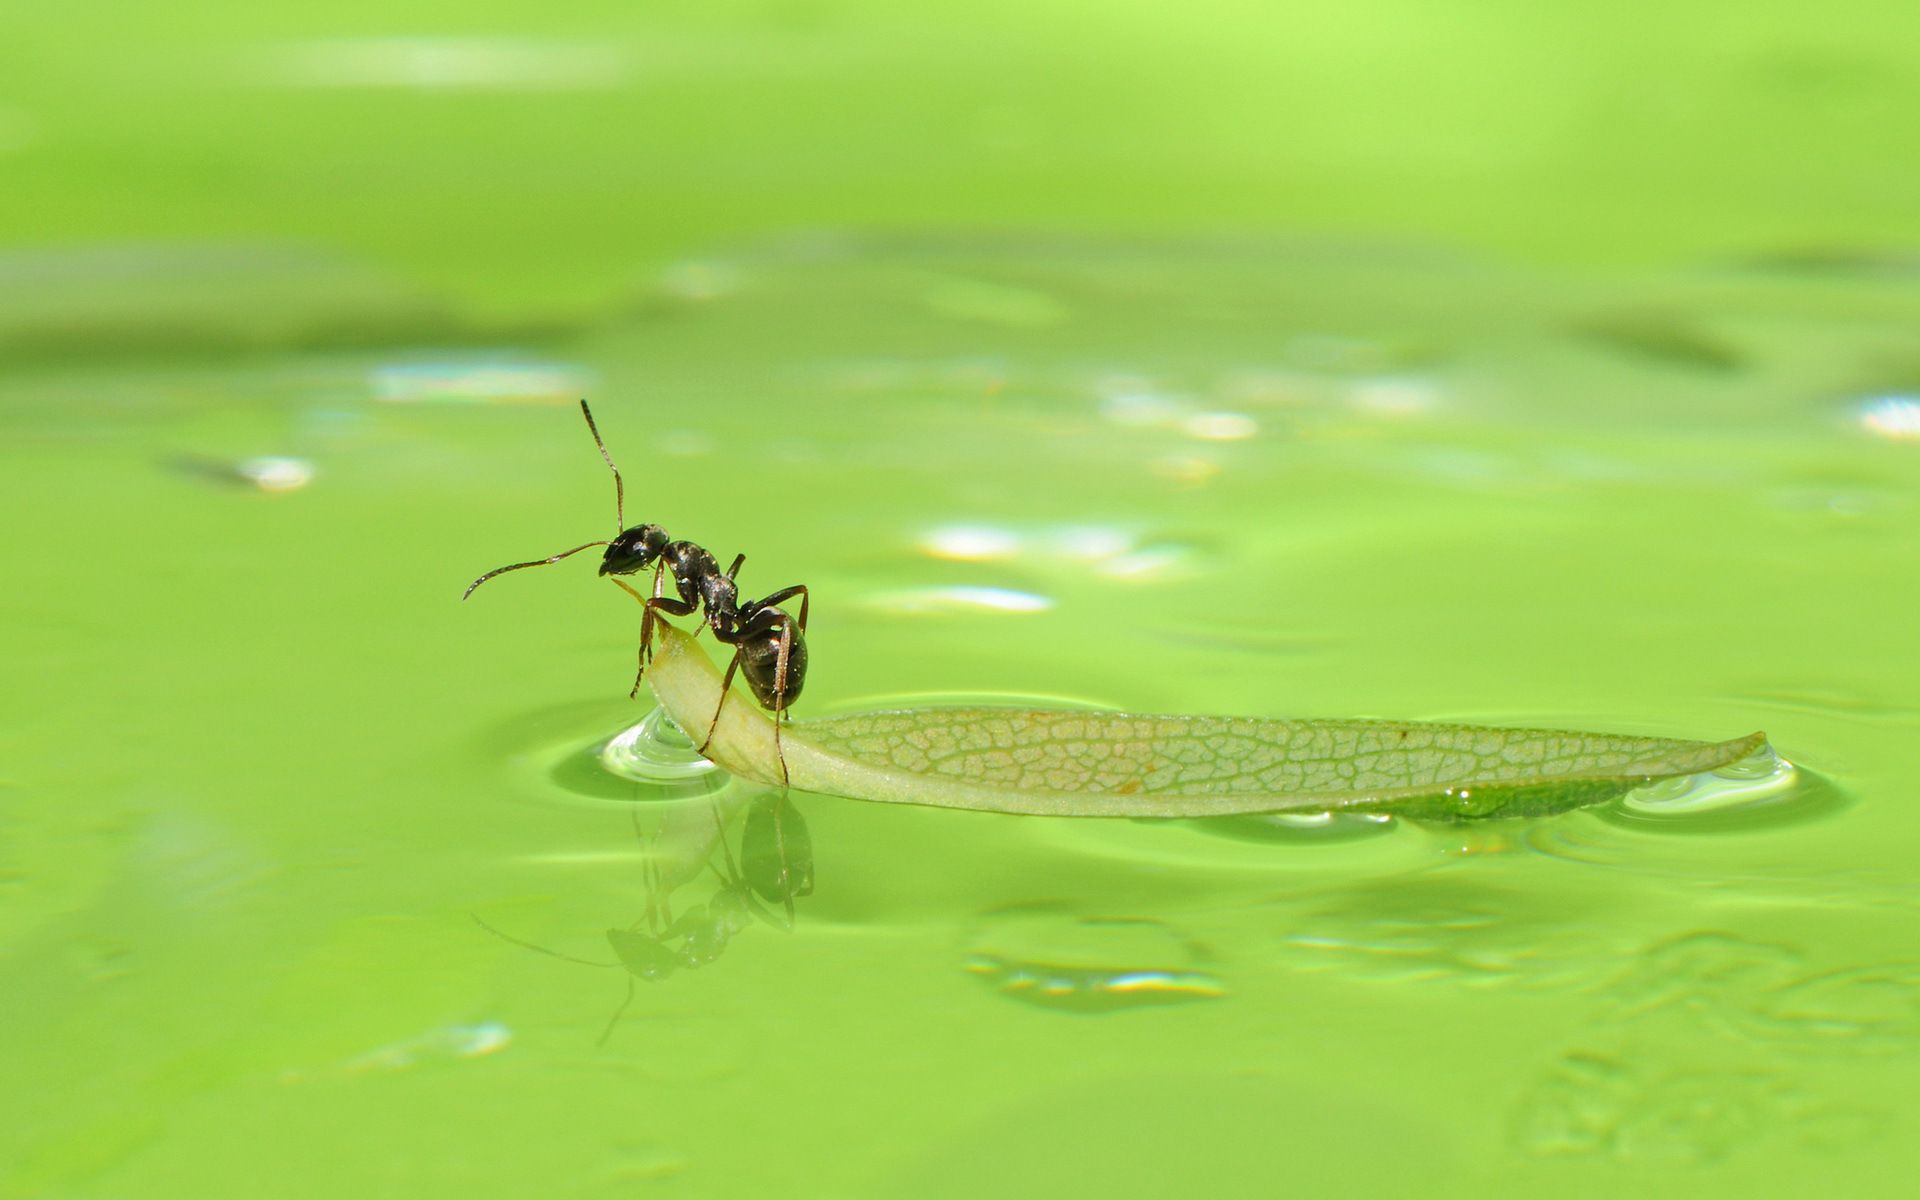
647	958
634	550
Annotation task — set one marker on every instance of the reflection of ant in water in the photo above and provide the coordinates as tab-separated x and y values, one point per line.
775	866
769	644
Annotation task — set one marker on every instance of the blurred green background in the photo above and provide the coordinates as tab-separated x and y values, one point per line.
1520	363
526	163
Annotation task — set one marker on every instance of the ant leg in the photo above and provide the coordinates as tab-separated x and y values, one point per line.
780	752
667	604
507	937
654	605
617	1014
658	604
659	912
780	700
780	836
646	627
731	876
726	690
785	594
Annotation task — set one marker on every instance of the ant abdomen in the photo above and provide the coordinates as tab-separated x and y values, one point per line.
760	663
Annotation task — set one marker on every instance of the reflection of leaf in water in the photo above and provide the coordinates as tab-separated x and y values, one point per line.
1687	1090
1714	973
1576	1107
1757	990
1699	1116
1448	929
1596	1104
1078	763
1863	1008
1050	957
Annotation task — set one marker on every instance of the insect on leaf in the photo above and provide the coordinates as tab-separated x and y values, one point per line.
1101	764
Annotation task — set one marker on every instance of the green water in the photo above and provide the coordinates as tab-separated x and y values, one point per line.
1478	361
264	769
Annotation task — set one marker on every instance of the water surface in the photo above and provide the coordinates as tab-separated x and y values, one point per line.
264	769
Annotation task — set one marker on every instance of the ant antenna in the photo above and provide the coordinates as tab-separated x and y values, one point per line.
538	562
617	1013
619	486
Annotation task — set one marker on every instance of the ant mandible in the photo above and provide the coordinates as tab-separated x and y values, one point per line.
769	644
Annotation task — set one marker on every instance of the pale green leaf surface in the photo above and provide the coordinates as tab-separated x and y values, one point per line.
1072	763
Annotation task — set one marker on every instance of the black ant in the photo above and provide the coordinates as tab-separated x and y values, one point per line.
769	644
776	864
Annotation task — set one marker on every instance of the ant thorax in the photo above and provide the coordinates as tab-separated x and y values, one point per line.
719	594
698	578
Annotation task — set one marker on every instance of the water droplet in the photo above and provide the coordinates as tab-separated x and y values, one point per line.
268	473
1220	426
480	380
970	543
1753	780
1394	396
1895	416
436	1046
929	601
655	750
1055	959
1149	564
1761	794
1763	791
273	473
596	753
1300	828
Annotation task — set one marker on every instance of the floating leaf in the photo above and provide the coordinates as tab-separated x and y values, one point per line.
1101	764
